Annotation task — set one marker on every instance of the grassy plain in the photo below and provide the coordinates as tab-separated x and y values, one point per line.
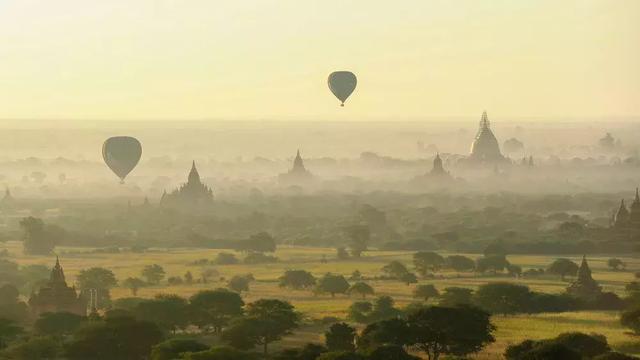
510	329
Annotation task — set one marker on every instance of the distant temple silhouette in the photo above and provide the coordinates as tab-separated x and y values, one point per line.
57	296
437	176
8	201
624	219
438	169
193	192
297	175
485	146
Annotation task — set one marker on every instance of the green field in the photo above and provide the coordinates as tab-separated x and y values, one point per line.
510	329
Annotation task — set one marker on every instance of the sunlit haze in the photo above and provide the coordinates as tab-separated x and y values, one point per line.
269	59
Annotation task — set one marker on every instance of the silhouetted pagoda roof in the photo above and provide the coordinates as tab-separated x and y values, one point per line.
56	295
298	173
584	286
190	193
485	146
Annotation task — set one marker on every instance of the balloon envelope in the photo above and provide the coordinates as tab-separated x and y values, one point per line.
121	154
342	84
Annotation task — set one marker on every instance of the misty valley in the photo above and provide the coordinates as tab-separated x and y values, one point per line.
350	256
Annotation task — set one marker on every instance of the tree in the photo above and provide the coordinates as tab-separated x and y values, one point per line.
34	348
36	241
631	319
425	292
153	273
492	263
532	350
11	308
261	242
615	264
454	296
100	279
297	279
266	321
35	276
333	284
342	253
8	294
172	348
220	353
360	311
361	289
393	331
395	269
390	352
239	283
9	272
208	273
356	275
340	337
460	263
502	298
495	248
563	267
514	270
383	308
409	278
588	346
359	235
188	278
573	345
308	352
633	293
116	338
612	355
133	284
226	259
454	331
58	323
169	312
215	308
8	331
427	261
571	230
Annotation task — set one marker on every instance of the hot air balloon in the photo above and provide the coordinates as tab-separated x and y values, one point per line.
342	84
121	154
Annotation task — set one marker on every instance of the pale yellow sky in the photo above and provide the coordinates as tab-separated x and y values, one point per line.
269	59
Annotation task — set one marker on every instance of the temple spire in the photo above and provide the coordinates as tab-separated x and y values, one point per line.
484	121
584	286
298	164
57	274
194	176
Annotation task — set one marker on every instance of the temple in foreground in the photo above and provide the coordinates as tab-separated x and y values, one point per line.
584	287
57	296
193	192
